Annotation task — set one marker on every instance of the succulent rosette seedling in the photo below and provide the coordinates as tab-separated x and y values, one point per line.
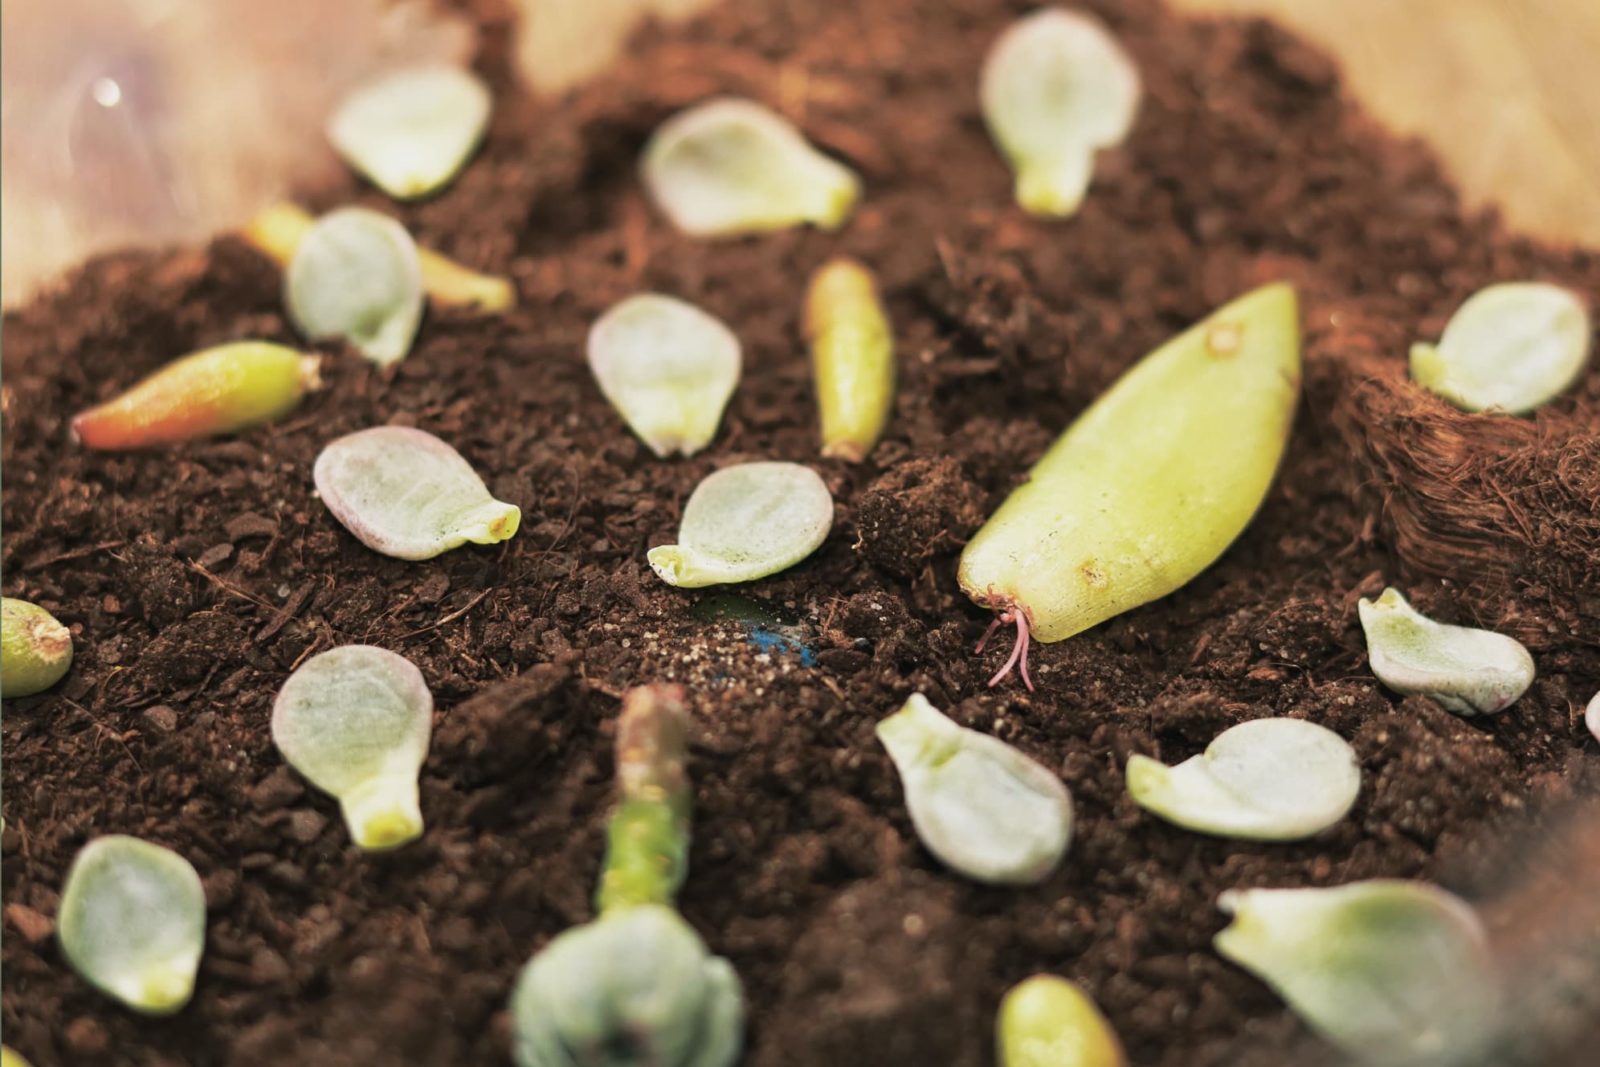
637	985
1267	780
411	130
356	720
667	367
731	166
278	229
407	494
215	391
1510	347
1392	971
355	275
746	522
1057	88
1046	1021
35	649
983	808
132	922
852	357
1150	485
1469	671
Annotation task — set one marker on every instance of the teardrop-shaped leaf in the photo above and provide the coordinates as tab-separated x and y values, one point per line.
1392	971
1469	671
730	166
986	810
667	367
407	494
1267	779
745	522
1047	1021
132	922
356	275
411	130
356	720
1512	346
1056	88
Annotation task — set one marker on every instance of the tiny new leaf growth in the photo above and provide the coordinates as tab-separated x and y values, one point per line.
1512	346
355	720
637	985
214	391
407	494
1056	88
745	522
132	922
983	808
667	367
1047	1021
279	228
355	274
1391	971
731	166
35	649
852	357
412	130
1266	780
1469	671
1150	485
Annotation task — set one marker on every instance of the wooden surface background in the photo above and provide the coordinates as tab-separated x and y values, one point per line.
1507	91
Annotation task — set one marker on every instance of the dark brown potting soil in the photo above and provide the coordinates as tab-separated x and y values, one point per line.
195	578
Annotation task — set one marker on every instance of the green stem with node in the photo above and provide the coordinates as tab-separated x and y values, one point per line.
647	839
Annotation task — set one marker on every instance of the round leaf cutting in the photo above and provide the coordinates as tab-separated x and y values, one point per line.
412	130
1469	671
356	720
407	494
1266	780
745	522
356	275
132	922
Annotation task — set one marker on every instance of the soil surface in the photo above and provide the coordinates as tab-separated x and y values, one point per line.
195	578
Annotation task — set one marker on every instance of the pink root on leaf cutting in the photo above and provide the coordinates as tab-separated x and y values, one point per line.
1019	650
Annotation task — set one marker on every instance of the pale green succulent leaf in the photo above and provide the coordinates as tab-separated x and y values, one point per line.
667	367
731	166
1469	671
1392	971
356	275
35	648
1591	716
1056	88
356	720
405	493
132	922
634	987
1046	1021
1267	780
1510	347
746	522
411	130
983	808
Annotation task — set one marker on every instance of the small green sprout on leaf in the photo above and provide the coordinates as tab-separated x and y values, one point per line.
412	130
132	922
731	166
1264	780
636	985
1469	671
667	367
407	494
356	275
983	808
355	720
1056	88
745	522
1511	347
35	649
1047	1021
1391	971
852	357
1150	485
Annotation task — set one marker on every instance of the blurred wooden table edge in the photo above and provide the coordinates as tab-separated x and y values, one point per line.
1506	91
